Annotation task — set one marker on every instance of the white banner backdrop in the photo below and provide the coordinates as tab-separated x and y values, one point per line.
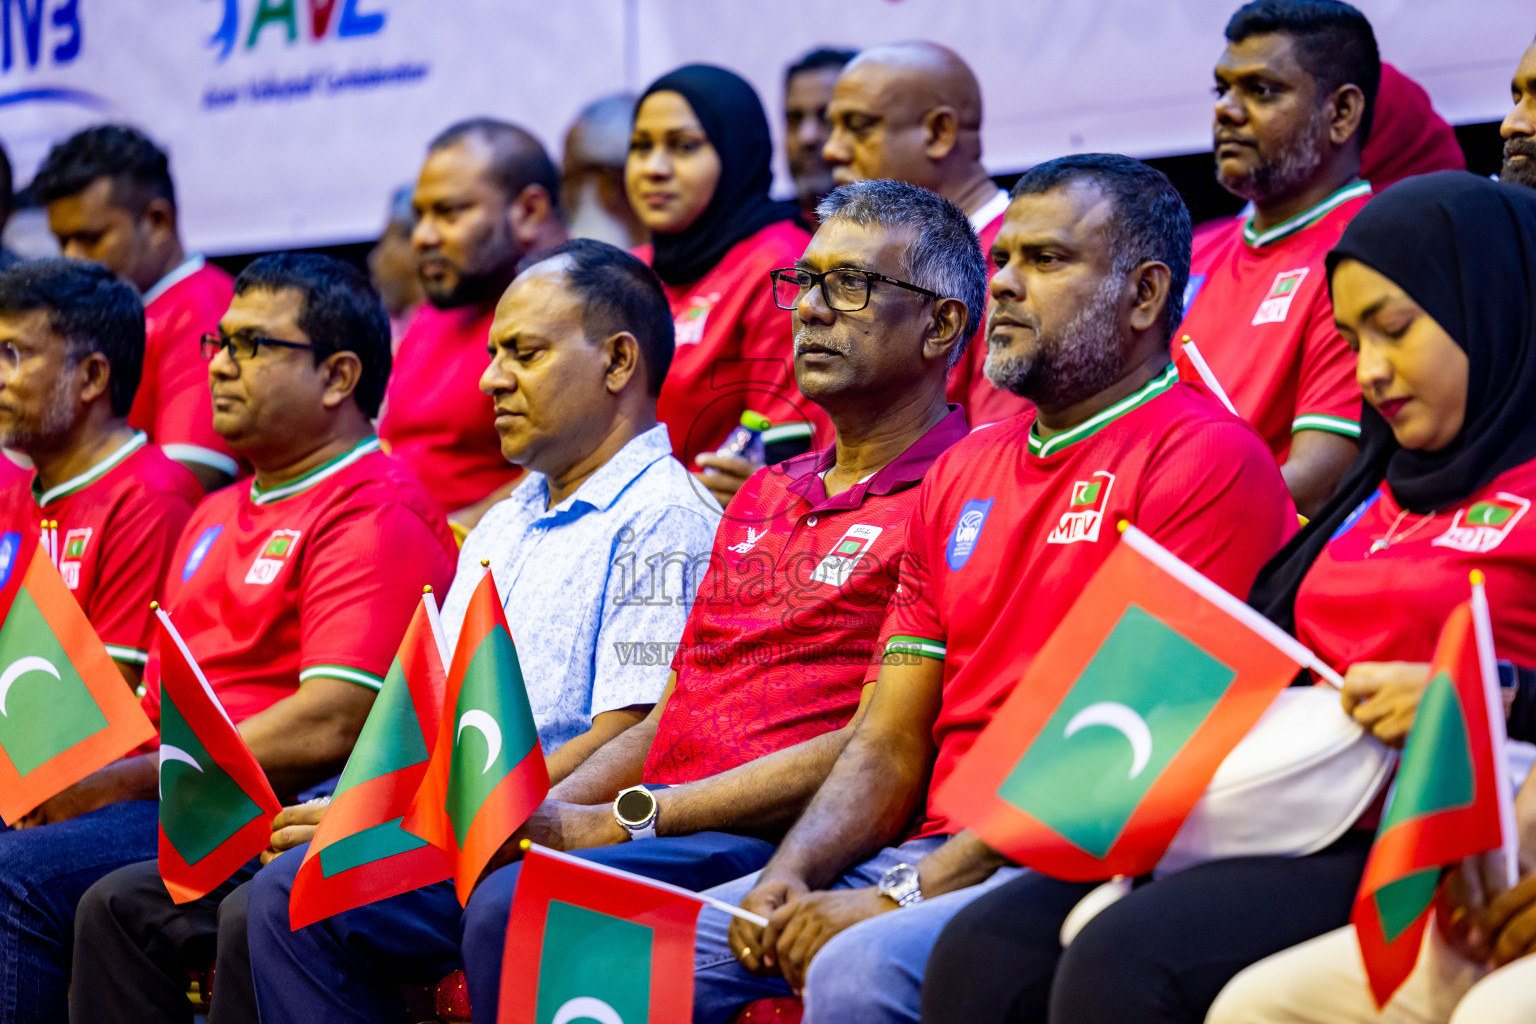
290	121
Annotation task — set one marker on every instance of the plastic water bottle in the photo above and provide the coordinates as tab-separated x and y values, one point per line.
746	440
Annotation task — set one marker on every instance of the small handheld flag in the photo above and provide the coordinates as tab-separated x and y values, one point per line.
65	709
360	854
1091	765
1451	800
589	941
216	805
1193	369
487	772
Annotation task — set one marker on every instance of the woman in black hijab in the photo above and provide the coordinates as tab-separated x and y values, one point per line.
1432	284
698	174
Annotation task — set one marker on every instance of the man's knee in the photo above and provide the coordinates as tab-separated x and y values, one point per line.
266	895
485	918
233	913
859	965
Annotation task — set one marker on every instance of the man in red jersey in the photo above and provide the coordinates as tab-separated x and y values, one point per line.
1519	127
1009	525
292	592
110	199
912	112
808	88
487	196
71	343
1295	91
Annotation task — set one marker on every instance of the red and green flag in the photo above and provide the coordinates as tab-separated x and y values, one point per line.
588	942
360	854
1104	746
216	805
1451	800
65	709
487	772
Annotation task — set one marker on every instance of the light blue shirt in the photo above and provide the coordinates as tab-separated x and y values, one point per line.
589	583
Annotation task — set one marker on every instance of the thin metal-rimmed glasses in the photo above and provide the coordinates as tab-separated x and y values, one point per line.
243	346
846	291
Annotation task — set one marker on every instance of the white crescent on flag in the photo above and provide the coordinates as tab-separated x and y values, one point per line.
482	721
20	667
586	1008
171	753
1122	719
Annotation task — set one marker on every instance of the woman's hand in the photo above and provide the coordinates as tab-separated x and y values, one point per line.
1383	696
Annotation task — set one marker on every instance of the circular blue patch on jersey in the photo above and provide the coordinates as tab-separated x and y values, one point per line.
10	544
967	531
200	551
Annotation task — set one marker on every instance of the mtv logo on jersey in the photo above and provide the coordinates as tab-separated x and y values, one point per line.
1277	304
273	555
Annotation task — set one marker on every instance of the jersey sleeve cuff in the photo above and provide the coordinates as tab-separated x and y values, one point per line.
351	675
129	655
202	456
920	646
1328	424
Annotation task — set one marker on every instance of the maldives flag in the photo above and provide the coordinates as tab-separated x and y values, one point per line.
216	806
65	709
1193	369
487	772
1105	745
587	942
1450	800
360	854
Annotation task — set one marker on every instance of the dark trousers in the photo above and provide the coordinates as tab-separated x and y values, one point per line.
135	947
1158	956
349	968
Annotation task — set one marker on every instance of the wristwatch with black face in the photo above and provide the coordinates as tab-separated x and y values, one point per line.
635	809
900	884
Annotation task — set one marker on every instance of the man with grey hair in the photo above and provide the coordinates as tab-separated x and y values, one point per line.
1008	526
770	675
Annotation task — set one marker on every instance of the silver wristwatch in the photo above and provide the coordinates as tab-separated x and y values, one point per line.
635	809
901	885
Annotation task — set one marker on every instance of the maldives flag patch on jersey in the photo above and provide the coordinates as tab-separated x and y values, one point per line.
487	772
1105	745
586	942
360	853
65	709
1450	801
216	805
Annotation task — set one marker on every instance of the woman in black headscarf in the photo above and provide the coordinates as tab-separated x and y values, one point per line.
1432	284
698	174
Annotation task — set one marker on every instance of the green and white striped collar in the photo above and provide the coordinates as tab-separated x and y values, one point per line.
90	476
1148	391
314	476
1287	228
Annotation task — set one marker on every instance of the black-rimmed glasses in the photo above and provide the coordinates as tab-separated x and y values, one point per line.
846	291
243	346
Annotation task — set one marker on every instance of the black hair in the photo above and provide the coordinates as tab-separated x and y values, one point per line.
7	188
91	309
517	158
341	312
139	170
816	60
1334	44
617	293
1150	221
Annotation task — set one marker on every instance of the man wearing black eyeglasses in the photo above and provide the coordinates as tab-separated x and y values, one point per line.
291	590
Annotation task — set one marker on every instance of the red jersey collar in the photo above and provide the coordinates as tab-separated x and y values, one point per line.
906	470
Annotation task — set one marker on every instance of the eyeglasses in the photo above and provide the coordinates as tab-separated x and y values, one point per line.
846	291
10	359
243	346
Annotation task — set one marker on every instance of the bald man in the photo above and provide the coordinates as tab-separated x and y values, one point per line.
912	112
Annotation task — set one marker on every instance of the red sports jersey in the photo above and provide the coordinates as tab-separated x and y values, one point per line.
118	522
968	384
1382	588
1257	305
735	348
1008	529
435	418
173	404
785	625
316	577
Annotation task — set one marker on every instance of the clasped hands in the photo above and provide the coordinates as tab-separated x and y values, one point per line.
800	922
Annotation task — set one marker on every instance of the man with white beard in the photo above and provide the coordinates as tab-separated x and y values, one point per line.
1295	92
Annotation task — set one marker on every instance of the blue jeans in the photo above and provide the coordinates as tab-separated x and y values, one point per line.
349	968
872	973
43	873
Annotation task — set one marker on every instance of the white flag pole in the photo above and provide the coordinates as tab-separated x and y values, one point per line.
1482	628
720	905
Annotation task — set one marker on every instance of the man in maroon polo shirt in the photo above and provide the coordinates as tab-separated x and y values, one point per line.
487	196
770	673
